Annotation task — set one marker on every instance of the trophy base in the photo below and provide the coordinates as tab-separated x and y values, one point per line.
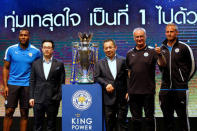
85	81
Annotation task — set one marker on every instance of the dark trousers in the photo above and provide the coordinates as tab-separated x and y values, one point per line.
116	117
137	102
51	111
171	101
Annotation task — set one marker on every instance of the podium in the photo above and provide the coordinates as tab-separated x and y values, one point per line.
82	107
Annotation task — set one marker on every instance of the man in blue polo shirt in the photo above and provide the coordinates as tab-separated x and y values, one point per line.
16	73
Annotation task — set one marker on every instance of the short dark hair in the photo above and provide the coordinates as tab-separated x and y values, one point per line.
109	40
53	45
24	29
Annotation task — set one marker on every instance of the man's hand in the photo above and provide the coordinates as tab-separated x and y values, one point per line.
161	59
109	88
6	92
129	73
157	49
127	96
31	102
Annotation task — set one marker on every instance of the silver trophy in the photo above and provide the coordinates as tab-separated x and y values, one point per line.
85	58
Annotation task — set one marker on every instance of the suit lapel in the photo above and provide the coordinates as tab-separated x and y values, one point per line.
42	69
118	64
107	68
52	67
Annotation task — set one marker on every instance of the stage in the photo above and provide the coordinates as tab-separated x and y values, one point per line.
159	124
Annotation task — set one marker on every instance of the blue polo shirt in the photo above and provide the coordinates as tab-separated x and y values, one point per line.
20	63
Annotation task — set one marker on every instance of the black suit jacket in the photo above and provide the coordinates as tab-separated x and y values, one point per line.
104	77
42	90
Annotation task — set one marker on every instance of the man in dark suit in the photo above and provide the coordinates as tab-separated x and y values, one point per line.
111	74
47	76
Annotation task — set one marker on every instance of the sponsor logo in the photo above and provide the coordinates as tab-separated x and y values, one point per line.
82	123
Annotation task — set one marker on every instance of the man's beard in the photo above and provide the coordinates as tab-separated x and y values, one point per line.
25	44
141	45
171	41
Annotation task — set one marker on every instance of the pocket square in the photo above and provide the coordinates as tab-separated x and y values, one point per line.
57	68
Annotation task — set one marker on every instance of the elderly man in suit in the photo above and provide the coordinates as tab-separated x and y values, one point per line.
111	74
47	76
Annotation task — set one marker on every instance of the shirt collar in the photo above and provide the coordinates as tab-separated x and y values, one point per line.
112	59
50	60
145	48
166	41
28	48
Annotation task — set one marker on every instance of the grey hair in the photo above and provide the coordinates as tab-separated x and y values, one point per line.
172	24
139	28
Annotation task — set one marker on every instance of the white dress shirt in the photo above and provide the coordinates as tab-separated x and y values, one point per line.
47	67
112	66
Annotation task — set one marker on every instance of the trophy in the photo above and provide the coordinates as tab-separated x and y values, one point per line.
85	54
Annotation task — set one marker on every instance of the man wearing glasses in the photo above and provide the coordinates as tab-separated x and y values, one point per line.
47	76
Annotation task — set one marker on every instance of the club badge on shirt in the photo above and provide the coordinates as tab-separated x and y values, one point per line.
30	54
146	54
177	50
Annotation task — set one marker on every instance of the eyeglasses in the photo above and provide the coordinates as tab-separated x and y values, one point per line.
47	47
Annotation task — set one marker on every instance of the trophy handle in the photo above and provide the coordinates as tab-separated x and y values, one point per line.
80	35
90	37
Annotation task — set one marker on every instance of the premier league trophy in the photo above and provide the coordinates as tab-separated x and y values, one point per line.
84	56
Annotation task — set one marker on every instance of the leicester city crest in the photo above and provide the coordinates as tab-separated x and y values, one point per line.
81	100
